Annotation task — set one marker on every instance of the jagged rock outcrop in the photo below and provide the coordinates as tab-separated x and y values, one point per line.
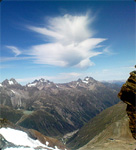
128	96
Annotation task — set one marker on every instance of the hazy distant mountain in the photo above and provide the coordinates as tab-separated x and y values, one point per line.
56	109
114	82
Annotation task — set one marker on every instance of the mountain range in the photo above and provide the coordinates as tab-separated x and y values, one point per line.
76	113
55	109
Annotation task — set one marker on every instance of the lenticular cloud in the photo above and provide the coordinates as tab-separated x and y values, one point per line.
70	42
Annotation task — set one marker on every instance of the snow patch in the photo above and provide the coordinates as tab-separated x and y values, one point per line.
47	143
21	139
10	82
87	78
31	84
56	148
13	91
1	85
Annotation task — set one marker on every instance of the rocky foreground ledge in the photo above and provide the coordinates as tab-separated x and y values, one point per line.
128	95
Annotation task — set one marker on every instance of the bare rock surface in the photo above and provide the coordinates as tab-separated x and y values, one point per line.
128	96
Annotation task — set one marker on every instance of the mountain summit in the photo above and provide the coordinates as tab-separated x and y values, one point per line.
10	82
41	84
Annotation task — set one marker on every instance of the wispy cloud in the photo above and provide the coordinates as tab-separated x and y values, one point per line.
67	28
108	51
71	42
14	49
4	59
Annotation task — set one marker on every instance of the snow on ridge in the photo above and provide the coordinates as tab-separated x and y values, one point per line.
42	80
31	84
1	85
36	82
85	81
13	91
20	138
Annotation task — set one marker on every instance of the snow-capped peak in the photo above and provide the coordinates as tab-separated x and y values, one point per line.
13	81
9	82
42	80
86	80
38	83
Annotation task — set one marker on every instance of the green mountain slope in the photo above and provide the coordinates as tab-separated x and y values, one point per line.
9	113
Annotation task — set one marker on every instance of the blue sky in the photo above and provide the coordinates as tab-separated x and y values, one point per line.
66	40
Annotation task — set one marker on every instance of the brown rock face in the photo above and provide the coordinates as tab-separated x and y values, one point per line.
128	96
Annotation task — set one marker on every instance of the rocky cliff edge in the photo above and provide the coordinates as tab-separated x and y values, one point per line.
128	95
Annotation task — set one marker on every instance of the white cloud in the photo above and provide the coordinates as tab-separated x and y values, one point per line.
15	50
67	28
70	42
